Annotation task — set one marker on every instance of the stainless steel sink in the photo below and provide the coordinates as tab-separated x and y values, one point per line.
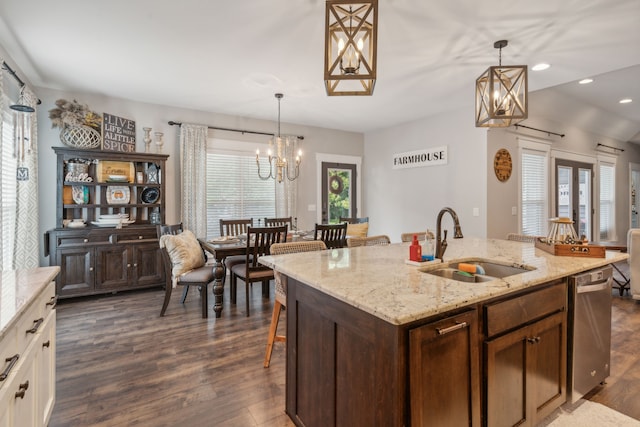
492	271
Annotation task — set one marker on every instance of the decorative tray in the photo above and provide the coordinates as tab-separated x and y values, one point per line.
575	250
117	195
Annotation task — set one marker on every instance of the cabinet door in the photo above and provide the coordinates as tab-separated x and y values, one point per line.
146	262
526	372
46	370
444	373
112	267
76	271
22	393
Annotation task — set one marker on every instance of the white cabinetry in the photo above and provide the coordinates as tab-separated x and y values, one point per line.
27	386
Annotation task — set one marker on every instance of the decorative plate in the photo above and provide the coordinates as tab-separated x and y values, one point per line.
502	165
117	195
150	195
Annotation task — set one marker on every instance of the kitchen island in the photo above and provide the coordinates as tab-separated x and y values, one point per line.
374	341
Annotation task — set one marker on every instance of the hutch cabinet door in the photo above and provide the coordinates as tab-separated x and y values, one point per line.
146	260
76	271
112	267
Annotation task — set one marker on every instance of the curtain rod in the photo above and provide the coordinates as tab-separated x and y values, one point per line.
608	146
172	123
561	135
15	76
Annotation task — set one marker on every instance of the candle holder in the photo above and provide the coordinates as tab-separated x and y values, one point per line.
147	140
159	142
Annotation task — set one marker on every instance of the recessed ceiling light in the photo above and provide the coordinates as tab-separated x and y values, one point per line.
626	101
585	81
540	67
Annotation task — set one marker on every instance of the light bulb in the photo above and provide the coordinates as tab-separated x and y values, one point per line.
360	45
340	45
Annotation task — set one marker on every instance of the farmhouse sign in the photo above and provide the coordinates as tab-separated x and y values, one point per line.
415	159
118	134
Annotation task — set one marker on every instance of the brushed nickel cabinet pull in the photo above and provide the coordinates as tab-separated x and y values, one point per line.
533	340
12	361
458	325
85	240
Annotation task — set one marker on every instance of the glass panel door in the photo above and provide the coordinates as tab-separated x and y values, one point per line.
339	198
574	195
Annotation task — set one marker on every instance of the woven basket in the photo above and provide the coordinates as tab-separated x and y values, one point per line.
80	137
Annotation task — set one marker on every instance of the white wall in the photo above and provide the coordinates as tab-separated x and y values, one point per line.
156	116
408	200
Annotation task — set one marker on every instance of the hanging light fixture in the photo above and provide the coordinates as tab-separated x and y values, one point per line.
351	39
501	94
280	162
23	110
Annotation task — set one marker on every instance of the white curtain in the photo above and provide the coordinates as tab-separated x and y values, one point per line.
287	191
19	166
193	161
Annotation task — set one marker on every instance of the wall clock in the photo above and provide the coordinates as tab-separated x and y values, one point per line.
502	165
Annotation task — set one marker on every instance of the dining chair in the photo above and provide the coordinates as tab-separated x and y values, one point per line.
259	241
333	235
281	288
408	237
355	220
278	222
521	237
379	240
184	264
233	227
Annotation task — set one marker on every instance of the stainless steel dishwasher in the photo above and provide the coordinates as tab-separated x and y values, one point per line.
589	331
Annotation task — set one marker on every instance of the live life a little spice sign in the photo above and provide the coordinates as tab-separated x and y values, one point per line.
118	134
415	159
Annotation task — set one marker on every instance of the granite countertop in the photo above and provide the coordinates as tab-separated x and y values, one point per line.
18	289
377	280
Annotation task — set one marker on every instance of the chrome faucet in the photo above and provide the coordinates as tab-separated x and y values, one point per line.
441	244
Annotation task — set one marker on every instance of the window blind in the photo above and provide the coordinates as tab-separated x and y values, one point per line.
234	190
8	194
607	202
534	192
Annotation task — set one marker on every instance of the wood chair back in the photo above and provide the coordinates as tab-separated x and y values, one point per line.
379	240
333	235
259	241
174	229
235	227
278	222
355	220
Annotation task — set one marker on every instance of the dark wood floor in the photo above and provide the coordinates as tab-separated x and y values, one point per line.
119	364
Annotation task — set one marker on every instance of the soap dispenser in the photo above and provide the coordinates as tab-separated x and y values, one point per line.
428	247
415	250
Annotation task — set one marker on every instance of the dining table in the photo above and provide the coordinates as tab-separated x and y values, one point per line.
220	250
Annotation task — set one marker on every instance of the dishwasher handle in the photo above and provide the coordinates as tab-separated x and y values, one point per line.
594	287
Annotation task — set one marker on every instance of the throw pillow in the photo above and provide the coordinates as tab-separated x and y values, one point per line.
184	251
358	230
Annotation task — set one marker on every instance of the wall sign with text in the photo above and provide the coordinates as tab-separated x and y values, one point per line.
118	134
420	158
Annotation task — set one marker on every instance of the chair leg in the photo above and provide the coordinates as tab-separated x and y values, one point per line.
167	297
275	317
265	289
205	301
184	294
233	289
246	287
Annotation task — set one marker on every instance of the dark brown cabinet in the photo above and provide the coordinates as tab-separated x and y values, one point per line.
100	259
444	374
525	366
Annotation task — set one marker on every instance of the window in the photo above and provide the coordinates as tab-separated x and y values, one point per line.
534	189
234	190
607	202
8	193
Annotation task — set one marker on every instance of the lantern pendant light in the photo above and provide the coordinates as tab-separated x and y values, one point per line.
501	94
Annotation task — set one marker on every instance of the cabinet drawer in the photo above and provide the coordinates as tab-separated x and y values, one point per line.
135	235
75	240
511	313
30	322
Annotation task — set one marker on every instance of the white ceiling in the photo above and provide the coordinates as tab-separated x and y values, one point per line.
231	57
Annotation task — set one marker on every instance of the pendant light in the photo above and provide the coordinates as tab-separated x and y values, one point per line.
501	94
